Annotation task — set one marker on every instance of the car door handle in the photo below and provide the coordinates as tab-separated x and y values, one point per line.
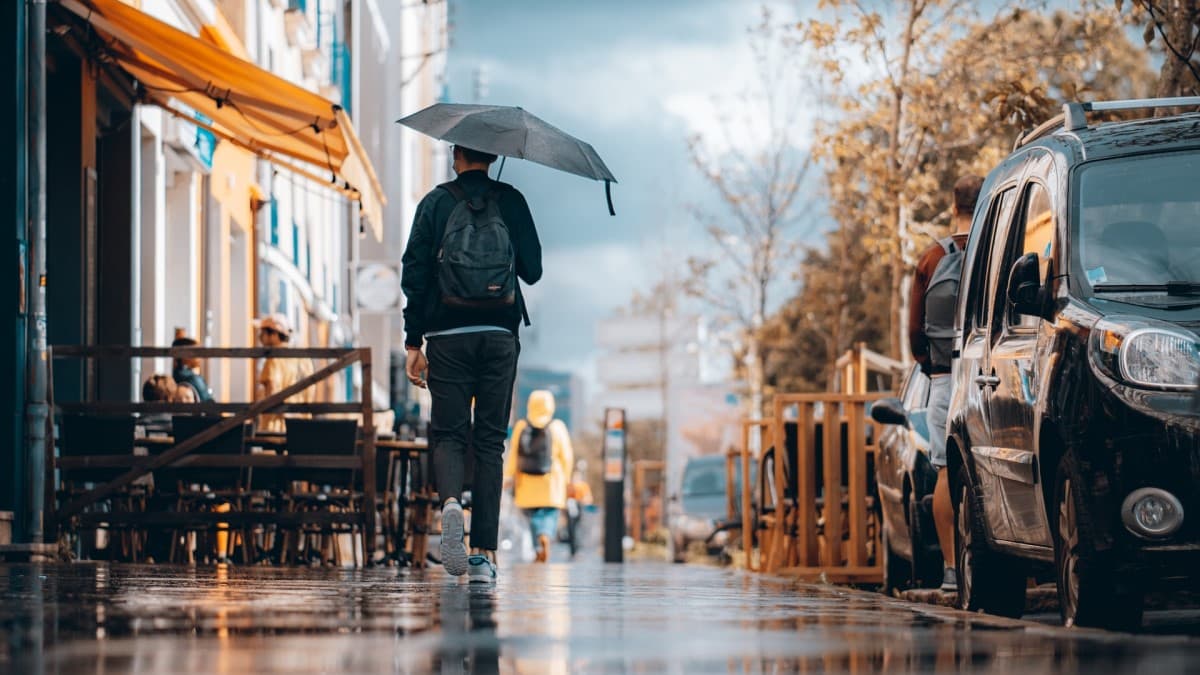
985	381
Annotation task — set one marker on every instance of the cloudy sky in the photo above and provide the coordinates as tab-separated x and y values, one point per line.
634	78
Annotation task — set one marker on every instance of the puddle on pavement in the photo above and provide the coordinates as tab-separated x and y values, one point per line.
587	617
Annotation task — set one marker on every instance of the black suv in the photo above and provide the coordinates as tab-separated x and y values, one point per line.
1074	441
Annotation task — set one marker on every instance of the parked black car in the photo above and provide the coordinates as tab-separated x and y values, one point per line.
1073	440
905	480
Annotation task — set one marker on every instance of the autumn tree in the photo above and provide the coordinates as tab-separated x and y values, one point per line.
758	179
1173	27
942	102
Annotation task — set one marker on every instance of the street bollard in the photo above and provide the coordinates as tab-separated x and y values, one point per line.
614	485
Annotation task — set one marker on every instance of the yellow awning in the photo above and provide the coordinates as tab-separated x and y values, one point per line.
247	106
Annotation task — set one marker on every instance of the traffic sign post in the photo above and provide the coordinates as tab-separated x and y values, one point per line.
614	484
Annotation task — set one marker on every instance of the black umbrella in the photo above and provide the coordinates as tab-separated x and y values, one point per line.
512	132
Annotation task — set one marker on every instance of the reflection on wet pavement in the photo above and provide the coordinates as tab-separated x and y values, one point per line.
87	618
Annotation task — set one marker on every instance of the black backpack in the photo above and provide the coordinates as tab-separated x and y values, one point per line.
941	304
476	261
534	452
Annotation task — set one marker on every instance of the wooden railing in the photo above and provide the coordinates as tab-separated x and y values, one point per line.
749	456
638	510
238	414
817	513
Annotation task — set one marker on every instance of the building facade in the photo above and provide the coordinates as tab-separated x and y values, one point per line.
175	207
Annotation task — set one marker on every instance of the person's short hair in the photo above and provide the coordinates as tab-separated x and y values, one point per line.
966	193
476	156
183	341
158	388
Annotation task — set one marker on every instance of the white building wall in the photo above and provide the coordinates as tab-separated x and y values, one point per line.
394	77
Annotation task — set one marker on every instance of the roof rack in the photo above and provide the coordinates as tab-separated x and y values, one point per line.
1040	130
1076	113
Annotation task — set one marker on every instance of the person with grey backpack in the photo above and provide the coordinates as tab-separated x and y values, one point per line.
931	336
472	239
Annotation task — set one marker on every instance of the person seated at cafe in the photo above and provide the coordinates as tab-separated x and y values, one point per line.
278	374
187	371
160	388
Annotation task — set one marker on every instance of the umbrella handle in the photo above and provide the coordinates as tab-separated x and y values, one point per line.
608	195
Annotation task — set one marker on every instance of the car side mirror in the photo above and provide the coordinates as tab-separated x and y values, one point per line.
1025	286
889	411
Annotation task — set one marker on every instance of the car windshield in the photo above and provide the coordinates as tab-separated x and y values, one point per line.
704	478
1139	222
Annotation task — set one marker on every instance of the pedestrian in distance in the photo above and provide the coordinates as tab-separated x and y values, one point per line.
579	497
471	240
538	466
931	335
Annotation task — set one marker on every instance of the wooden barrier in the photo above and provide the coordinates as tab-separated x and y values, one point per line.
637	512
855	367
820	523
747	456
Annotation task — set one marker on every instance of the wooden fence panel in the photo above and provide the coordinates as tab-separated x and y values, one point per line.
827	528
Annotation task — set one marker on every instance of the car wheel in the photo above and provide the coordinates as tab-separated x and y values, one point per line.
927	567
1088	594
987	581
897	572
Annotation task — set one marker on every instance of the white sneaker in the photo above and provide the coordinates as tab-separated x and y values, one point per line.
454	551
480	570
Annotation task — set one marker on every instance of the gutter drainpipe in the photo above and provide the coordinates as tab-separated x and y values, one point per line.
37	359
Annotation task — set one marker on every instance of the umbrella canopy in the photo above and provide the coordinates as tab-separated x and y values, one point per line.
511	132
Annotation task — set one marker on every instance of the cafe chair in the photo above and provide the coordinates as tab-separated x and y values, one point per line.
83	435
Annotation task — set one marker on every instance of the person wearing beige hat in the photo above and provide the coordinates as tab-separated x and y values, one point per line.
277	374
538	466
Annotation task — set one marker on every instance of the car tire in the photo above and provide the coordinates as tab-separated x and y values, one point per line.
927	567
1089	592
987	581
897	572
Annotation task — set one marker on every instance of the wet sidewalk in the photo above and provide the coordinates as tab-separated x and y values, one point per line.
89	618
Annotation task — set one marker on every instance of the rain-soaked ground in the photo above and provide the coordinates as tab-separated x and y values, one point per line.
640	617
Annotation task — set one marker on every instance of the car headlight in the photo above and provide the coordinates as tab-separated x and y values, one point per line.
1146	353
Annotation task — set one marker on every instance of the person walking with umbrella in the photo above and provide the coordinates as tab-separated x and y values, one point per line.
471	240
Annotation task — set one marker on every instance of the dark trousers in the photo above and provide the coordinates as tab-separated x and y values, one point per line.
479	366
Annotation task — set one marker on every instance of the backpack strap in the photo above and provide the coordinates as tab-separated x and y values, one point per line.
949	245
455	190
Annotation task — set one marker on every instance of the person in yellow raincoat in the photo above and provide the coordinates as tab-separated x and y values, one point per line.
538	467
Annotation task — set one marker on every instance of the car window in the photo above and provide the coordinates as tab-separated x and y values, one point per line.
1136	221
977	298
1036	226
920	423
915	390
1035	205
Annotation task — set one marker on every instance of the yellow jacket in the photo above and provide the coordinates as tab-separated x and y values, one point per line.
550	490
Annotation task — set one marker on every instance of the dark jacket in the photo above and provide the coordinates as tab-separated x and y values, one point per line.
424	311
